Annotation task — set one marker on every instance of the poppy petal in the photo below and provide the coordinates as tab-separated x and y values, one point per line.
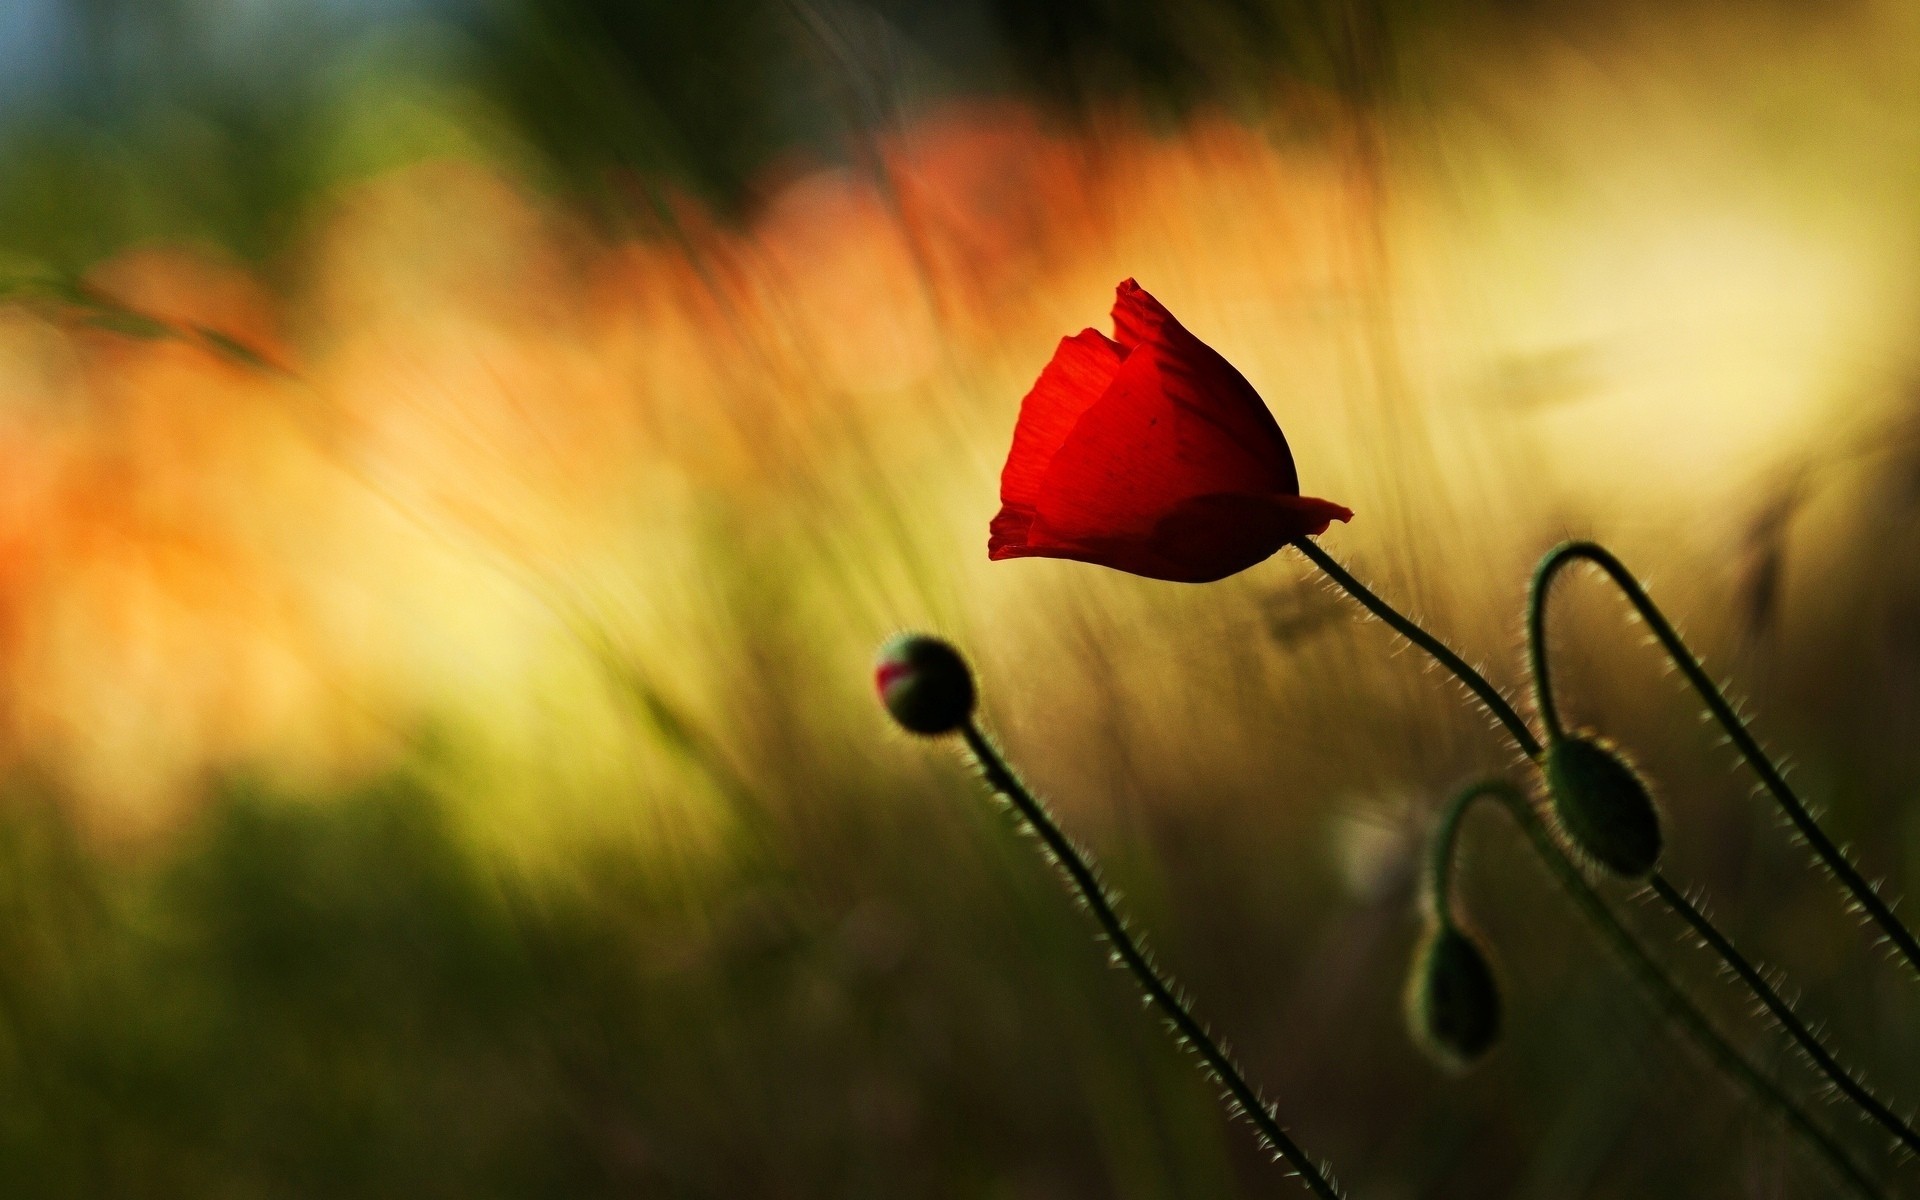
1007	535
1080	372
1197	374
1138	318
1151	443
1149	453
1211	537
1308	516
1202	539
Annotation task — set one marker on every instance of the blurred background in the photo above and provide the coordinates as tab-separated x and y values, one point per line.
457	458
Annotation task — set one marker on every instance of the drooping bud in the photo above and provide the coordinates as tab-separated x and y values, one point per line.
924	683
1453	1002
1604	807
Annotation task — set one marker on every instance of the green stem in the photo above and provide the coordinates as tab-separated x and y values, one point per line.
1654	980
1803	1036
1831	855
1523	737
1497	704
1809	1042
1446	836
1159	988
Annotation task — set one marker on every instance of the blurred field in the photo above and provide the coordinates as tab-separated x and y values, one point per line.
439	753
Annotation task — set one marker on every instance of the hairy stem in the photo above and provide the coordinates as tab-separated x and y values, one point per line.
1831	855
1503	710
1810	1043
1497	704
1652	978
1159	988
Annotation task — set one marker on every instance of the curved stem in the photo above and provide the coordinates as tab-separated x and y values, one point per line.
1802	1035
1446	836
1652	978
1159	989
1497	704
1669	994
1809	1042
1830	854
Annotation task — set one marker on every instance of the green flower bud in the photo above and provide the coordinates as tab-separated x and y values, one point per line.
924	683
1453	1002
1603	806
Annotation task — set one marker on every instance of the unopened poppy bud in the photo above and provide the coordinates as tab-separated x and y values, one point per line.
924	683
1604	807
1453	1003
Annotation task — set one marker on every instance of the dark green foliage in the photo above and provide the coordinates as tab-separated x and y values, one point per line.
336	997
627	99
178	122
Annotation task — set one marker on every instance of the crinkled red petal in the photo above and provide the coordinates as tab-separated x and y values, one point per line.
1007	534
1080	372
1138	317
1311	516
1150	454
1198	541
1199	377
1157	439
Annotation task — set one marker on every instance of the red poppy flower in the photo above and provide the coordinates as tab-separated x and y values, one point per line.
1148	453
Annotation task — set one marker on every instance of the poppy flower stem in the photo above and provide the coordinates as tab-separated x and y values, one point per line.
1488	695
1159	988
1804	1037
1652	978
1830	855
1844	1079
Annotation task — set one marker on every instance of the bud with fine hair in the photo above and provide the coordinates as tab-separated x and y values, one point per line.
1453	1002
924	683
1604	807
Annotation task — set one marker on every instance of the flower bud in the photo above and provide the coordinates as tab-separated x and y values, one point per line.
1453	1003
1603	806
924	683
